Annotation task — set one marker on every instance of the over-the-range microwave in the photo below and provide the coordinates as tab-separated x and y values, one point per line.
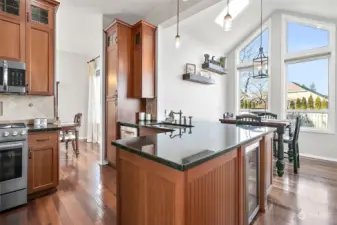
12	77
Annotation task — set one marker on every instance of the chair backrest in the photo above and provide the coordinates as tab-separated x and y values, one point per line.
78	119
297	129
248	119
267	115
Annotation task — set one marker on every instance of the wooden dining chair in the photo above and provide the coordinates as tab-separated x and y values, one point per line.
71	135
267	115
248	119
293	147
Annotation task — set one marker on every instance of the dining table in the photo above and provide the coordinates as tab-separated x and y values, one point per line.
73	127
280	125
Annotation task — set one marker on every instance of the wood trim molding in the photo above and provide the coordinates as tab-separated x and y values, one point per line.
119	22
145	23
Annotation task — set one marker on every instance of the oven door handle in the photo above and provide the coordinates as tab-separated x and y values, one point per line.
10	146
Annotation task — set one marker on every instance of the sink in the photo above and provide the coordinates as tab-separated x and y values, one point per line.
169	126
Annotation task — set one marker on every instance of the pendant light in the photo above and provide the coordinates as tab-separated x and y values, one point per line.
260	62
177	36
228	20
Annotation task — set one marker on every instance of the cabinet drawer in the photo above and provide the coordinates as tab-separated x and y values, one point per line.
43	139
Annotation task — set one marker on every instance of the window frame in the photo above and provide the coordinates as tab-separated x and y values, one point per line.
247	65
310	55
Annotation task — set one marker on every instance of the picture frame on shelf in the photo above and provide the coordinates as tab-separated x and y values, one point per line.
191	68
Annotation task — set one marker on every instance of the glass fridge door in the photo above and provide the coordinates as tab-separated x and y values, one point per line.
252	181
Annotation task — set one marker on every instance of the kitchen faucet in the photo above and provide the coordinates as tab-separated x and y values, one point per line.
180	113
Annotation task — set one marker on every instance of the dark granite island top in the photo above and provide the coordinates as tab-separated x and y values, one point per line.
49	127
183	149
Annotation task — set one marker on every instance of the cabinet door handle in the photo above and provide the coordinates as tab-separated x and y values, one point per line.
27	17
41	140
116	40
29	153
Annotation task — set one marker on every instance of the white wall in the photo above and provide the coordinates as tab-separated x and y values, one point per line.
79	34
73	75
316	145
203	102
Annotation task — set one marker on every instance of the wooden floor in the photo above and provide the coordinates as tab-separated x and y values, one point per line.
86	195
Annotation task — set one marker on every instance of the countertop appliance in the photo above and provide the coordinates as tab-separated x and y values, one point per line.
12	77
128	132
13	165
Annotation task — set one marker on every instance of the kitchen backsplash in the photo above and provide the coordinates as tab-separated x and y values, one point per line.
16	107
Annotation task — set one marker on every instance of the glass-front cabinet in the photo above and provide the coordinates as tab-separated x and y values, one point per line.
11	7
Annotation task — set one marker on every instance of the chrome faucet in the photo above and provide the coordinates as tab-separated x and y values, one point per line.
180	113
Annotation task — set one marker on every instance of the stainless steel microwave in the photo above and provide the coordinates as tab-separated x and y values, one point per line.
12	77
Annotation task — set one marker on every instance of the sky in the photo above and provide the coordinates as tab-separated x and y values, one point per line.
301	37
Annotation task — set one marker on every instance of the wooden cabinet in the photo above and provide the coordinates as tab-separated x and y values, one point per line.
43	161
12	27
27	35
144	44
118	105
40	47
143	131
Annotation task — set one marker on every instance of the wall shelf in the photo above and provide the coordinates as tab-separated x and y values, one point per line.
214	68
198	79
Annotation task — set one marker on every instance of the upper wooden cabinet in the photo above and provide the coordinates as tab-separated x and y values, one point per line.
144	44
40	47
12	27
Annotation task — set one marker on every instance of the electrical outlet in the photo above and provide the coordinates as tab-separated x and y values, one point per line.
1	109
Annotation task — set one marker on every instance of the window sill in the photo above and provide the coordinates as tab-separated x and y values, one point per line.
317	131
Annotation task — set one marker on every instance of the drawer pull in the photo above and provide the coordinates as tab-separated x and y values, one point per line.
41	140
29	153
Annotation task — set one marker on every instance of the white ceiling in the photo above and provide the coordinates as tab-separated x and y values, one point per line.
203	27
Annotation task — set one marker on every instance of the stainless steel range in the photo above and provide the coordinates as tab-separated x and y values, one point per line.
13	165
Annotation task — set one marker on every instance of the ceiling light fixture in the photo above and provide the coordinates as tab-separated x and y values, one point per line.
177	36
260	62
228	20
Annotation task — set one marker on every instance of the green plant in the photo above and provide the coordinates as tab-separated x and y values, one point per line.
304	103
318	103
242	104
292	104
298	103
324	104
311	102
246	104
249	105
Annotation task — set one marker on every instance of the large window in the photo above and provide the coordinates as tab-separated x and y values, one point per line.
309	73
253	93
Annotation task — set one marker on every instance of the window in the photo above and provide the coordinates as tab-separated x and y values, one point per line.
309	73
39	15
10	6
253	94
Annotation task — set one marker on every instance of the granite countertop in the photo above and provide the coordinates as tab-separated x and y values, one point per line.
186	148
146	124
49	127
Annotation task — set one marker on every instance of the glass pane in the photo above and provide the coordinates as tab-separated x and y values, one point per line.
250	51
39	15
252	181
308	85
253	92
310	120
10	6
303	37
10	164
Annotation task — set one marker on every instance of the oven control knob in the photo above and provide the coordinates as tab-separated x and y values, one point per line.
15	133
5	134
23	132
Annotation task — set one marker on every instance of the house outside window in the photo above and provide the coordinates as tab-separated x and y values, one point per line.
309	71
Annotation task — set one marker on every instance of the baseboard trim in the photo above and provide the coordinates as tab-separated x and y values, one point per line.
318	157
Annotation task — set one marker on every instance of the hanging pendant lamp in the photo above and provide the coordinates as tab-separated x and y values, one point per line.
260	62
228	20
177	36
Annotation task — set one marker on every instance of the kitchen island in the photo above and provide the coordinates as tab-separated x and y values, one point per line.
208	174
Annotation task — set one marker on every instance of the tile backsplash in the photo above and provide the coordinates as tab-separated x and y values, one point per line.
17	107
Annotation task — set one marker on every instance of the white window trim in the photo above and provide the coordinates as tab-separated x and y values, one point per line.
308	55
239	66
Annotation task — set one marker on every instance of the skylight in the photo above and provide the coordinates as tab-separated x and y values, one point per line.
235	8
